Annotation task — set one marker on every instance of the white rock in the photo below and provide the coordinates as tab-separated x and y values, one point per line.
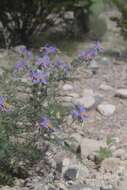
89	146
88	92
73	94
86	101
105	87
67	87
106	109
105	60
120	153
122	93
69	15
19	48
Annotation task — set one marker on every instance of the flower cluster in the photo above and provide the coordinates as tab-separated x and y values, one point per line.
4	105
79	113
43	61
45	123
91	53
20	65
39	77
49	50
42	66
61	66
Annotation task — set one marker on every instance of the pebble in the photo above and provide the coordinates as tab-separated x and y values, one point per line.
106	109
105	87
121	93
67	87
87	101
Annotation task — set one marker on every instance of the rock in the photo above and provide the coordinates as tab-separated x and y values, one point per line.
22	96
105	60
60	186
69	15
89	146
93	66
73	145
58	21
123	184
121	93
106	188
106	109
19	48
105	87
111	164
74	142
67	87
120	153
70	174
86	101
88	92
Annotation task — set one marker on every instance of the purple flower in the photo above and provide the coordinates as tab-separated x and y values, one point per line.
29	54
46	123
23	50
4	105
50	50
60	65
79	113
39	77
43	61
89	54
98	47
1	103
92	52
20	65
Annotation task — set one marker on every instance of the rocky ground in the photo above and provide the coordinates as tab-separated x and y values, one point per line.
102	89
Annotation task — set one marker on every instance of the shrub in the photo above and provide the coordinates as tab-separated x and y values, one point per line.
122	6
21	18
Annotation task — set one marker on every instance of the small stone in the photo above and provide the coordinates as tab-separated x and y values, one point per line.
87	101
105	60
88	92
19	48
105	87
67	87
106	109
73	95
106	188
121	93
70	174
93	66
120	153
69	15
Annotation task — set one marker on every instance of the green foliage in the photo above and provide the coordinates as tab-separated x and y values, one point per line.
21	18
122	6
103	153
18	143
